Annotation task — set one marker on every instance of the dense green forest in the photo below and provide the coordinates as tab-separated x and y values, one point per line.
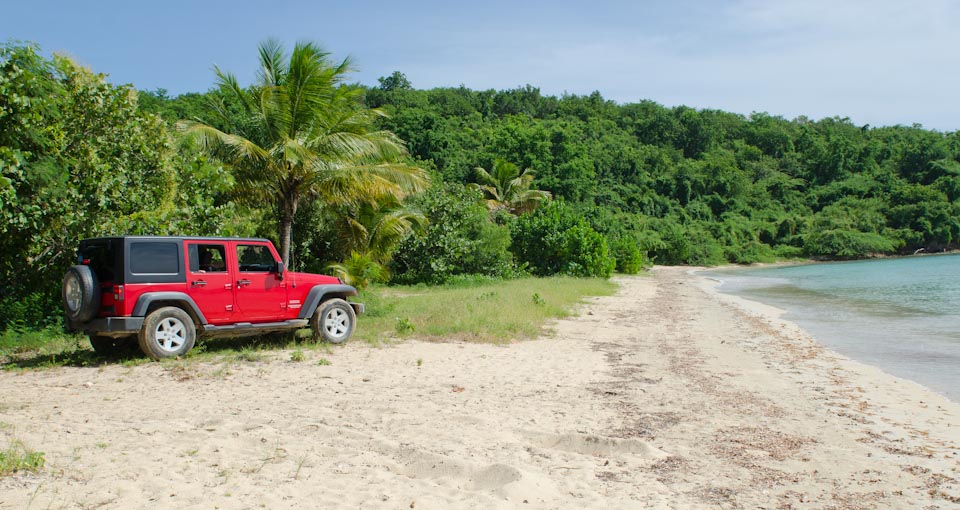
613	186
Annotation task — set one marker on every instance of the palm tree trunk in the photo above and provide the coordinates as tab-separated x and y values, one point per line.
289	207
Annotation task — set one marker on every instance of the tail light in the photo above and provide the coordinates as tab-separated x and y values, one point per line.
118	292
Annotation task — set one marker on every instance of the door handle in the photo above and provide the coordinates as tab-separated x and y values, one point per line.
198	283
241	283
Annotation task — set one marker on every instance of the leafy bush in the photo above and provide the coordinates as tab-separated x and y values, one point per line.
460	239
704	250
359	270
685	244
36	309
626	251
847	244
749	252
555	240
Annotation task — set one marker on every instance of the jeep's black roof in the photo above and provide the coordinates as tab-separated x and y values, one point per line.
109	256
178	238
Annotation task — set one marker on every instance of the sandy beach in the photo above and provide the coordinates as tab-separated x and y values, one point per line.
667	395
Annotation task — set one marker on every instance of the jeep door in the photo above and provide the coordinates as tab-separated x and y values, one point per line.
261	294
209	282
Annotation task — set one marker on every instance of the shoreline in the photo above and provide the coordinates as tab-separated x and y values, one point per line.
804	262
775	316
798	315
668	395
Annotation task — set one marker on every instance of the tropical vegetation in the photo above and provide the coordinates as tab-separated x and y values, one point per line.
507	188
389	183
303	133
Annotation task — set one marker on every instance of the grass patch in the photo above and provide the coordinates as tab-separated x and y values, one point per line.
18	458
481	311
43	348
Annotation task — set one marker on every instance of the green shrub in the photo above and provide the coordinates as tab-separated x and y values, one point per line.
460	239
704	249
34	310
749	252
627	253
556	240
847	244
359	270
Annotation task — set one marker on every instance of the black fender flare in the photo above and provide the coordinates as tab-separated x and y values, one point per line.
145	300
318	294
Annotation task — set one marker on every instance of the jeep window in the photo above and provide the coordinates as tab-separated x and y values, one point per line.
207	258
255	258
154	258
101	256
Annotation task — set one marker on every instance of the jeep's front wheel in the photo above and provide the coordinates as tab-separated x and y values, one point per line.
333	321
167	333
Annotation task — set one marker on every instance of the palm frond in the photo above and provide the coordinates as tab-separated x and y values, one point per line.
505	187
390	229
273	69
309	83
228	84
234	146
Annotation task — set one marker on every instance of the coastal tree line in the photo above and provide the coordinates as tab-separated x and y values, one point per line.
392	183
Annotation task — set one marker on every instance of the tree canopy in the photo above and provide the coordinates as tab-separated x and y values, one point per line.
699	186
303	133
78	158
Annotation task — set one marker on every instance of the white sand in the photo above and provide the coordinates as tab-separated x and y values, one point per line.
666	395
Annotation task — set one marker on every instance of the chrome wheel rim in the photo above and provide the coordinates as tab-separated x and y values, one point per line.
171	334
336	323
72	293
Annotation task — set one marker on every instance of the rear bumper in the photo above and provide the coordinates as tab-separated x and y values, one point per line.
112	326
357	308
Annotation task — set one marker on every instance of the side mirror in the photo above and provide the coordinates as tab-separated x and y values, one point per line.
279	270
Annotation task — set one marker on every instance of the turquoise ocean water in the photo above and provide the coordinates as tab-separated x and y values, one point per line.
901	315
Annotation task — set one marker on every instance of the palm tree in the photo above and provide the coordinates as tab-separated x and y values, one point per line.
359	270
304	134
507	188
369	234
376	229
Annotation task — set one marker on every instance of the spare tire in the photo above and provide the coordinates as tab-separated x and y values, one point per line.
81	294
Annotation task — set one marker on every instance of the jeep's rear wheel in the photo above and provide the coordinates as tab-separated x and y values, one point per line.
81	294
333	321
108	346
167	333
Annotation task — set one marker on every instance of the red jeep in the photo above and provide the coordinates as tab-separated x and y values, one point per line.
166	291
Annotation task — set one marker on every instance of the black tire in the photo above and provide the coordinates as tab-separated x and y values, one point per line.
333	321
167	332
81	294
112	347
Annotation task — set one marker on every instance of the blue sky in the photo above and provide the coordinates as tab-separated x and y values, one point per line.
878	62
